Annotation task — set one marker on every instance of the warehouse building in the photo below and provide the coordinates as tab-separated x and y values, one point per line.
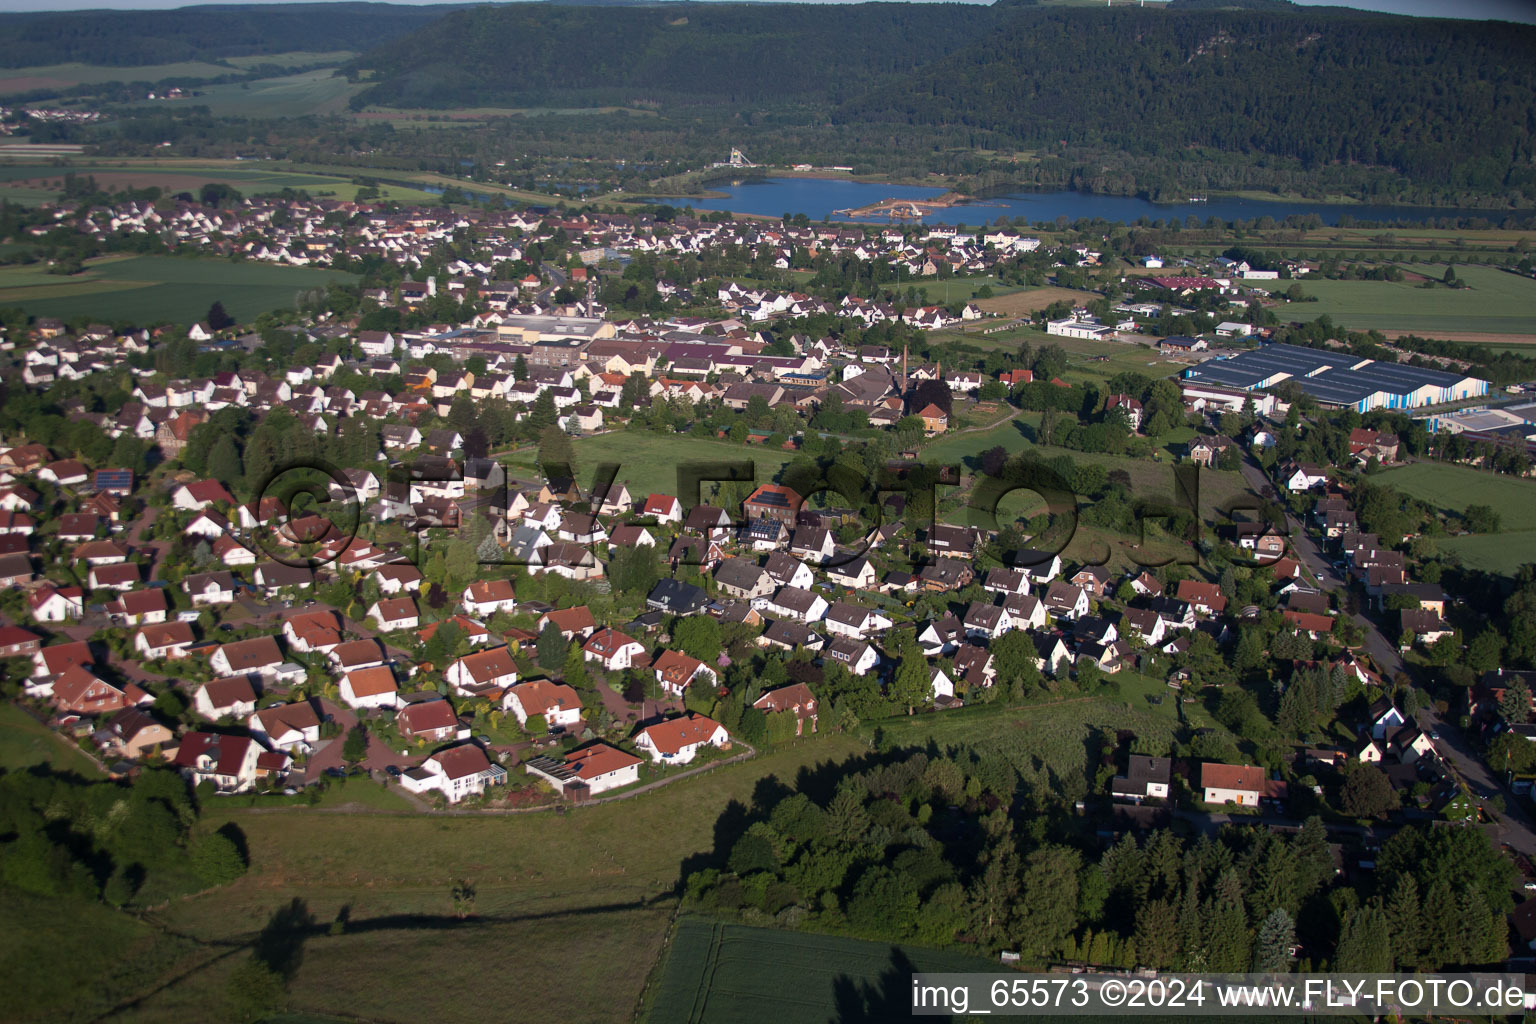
1337	379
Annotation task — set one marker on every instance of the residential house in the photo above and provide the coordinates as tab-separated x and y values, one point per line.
294	728
613	650
370	688
797	699
559	704
458	773
678	740
1145	778
229	762
482	672
676	671
431	721
588	771
1242	784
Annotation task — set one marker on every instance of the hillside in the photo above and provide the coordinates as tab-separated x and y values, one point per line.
1444	101
717	54
138	38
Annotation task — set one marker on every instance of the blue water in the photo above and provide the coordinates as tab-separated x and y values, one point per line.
818	197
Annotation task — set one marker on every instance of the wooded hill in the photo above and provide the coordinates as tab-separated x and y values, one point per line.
538	55
1444	102
138	38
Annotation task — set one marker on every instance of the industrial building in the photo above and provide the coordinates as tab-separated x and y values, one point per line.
1337	379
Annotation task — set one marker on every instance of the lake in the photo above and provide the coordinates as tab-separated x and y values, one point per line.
818	197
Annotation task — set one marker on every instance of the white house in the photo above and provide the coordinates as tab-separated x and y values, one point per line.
487	597
612	649
858	574
392	614
458	773
290	727
476	673
235	697
57	604
205	588
370	688
678	740
676	671
594	769
558	703
855	620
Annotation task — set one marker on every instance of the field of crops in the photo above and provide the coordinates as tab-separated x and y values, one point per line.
648	462
33	183
1497	302
320	91
155	289
1050	743
1452	488
718	973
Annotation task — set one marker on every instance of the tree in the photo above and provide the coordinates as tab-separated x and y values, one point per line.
575	670
699	636
1515	704
1364	945
1482	519
217	858
555	448
355	748
1157	934
552	648
217	318
1272	949
253	990
224	463
911	686
1048	911
1367	791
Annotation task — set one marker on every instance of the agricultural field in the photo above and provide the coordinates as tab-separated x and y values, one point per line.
317	92
1031	300
1497	302
1050	741
1501	553
63	76
581	901
719	973
34	183
1451	488
25	742
648	462
157	289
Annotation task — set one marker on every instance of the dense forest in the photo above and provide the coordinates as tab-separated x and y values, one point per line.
136	38
1120	100
1436	100
530	55
952	849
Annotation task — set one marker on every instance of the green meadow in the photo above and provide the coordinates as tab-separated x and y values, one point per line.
1496	302
158	289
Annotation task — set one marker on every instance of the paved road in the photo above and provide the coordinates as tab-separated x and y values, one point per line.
1515	826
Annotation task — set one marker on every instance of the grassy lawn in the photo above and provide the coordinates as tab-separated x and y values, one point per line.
648	462
1452	488
13	80
151	289
25	742
188	175
320	91
582	900
733	974
1501	553
1496	302
1051	743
